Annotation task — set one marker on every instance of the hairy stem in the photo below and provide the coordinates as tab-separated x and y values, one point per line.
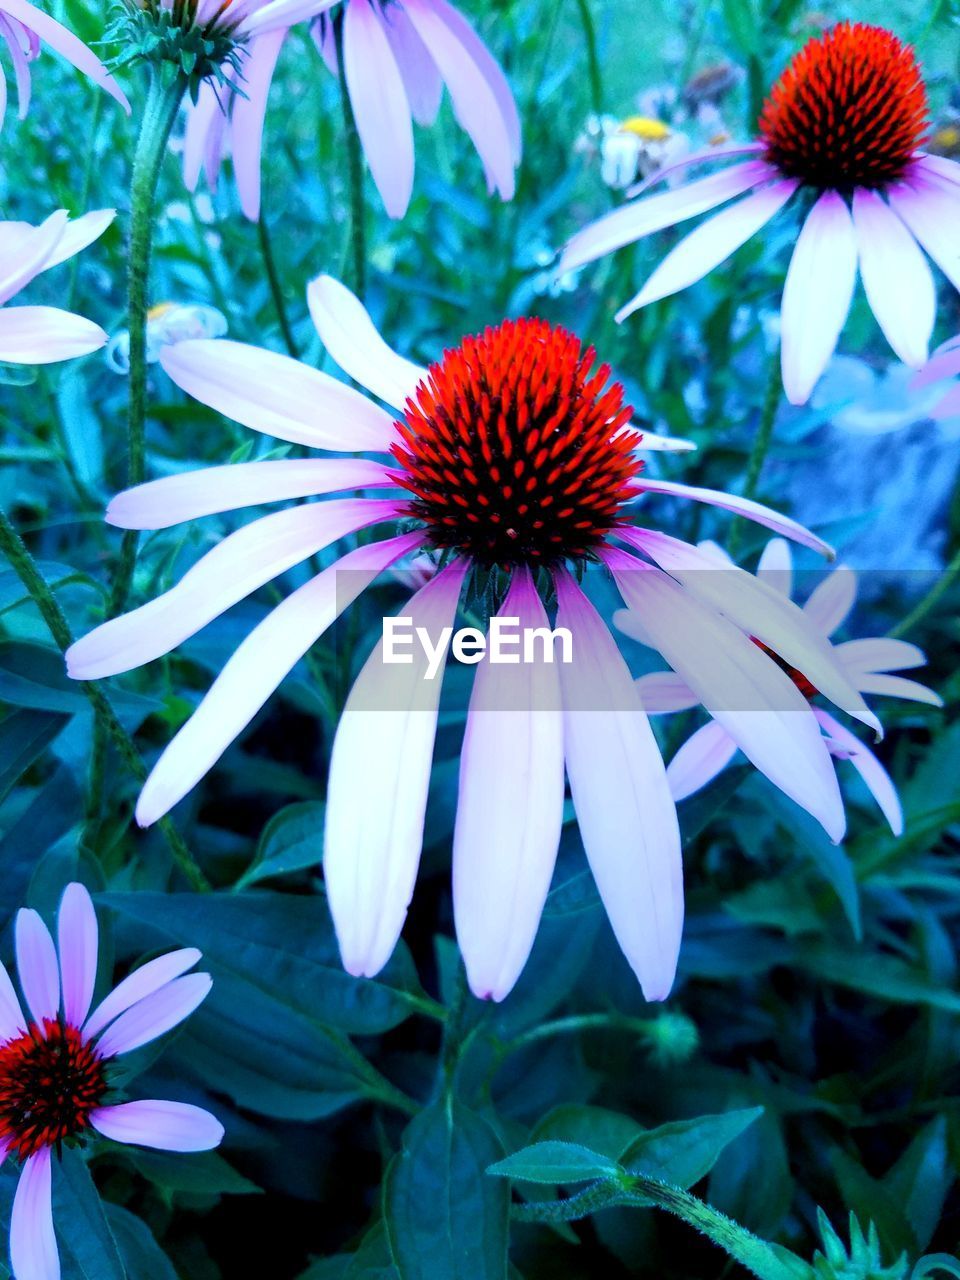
931	599
270	266
761	445
355	170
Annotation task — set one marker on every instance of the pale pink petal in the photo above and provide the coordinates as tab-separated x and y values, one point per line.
510	806
237	566
154	1015
247	117
705	155
627	818
37	966
817	295
380	105
25	250
45	335
201	116
33	1245
351	338
938	167
776	566
899	687
942	365
164	1126
421	79
475	103
710	244
377	790
874	775
257	667
930	210
746	507
634	221
277	395
831	600
663	692
651	442
67	45
703	756
12	1021
880	653
143	982
78	936
284	13
897	280
78	234
742	688
193	494
21	66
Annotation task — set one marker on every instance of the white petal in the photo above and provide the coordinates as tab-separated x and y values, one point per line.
154	1015
880	653
37	966
895	274
931	209
46	335
25	251
164	1126
12	1021
703	756
79	940
33	1245
832	599
143	982
874	775
899	687
78	234
663	692
776	566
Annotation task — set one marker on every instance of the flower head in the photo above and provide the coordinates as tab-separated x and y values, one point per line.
840	131
510	453
57	1060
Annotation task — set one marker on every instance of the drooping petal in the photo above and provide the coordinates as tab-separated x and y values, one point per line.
201	116
257	667
705	155
12	1021
421	79
277	395
703	756
67	45
78	234
941	167
627	817
899	687
154	1015
164	1126
247	117
240	564
816	295
193	494
930	209
743	689
37	966
379	778
79	939
284	13
832	599
880	653
651	442
351	338
21	64
710	244
380	105
878	781
642	218
776	566
46	335
143	982
663	692
33	1244
510	806
24	251
746	507
895	275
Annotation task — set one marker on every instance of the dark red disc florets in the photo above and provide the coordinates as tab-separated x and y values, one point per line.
849	111
799	679
50	1081
516	453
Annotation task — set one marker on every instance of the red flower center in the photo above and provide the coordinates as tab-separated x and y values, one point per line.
516	453
50	1081
799	679
849	111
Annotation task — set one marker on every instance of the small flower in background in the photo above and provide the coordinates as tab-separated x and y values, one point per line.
43	335
24	27
56	1062
530	490
943	364
877	201
868	664
168	323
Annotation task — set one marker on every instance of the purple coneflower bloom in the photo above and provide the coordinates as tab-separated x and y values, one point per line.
42	335
867	663
840	134
24	27
510	453
56	1061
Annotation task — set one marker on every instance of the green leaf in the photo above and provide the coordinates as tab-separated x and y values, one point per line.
685	1151
743	22
921	1178
25	735
48	817
85	1235
556	1164
291	841
884	976
205	1173
142	1256
596	1128
446	1220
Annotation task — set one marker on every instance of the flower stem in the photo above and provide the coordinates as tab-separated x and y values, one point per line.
27	570
270	266
355	170
163	102
593	61
932	598
761	445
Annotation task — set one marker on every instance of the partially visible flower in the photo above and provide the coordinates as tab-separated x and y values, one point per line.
23	27
43	335
512	459
943	364
57	1062
841	131
867	663
167	323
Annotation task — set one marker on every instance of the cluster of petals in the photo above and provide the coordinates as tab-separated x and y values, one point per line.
43	335
525	723
866	662
57	981
24	27
880	231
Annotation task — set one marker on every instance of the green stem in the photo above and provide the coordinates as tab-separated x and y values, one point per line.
270	266
355	172
27	570
163	102
761	445
579	1023
932	598
593	60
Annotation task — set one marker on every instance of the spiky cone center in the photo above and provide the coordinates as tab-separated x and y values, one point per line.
50	1081
202	41
849	111
515	451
